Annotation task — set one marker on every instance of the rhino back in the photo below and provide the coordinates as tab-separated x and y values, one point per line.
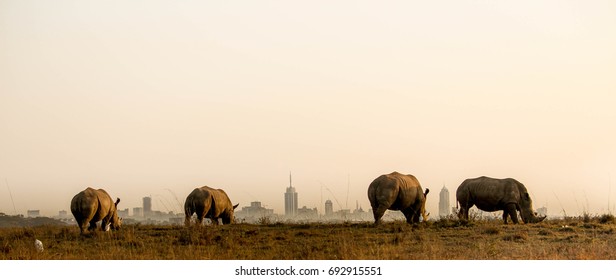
221	202
489	194
410	192
84	205
395	189
383	190
106	206
196	199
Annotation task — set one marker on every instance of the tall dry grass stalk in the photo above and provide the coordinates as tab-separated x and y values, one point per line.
589	237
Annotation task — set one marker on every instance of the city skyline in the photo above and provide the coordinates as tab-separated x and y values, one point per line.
257	208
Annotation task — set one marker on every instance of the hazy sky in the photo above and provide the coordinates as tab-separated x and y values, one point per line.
159	97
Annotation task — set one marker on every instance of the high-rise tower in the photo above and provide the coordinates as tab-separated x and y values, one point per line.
147	206
443	203
290	199
329	208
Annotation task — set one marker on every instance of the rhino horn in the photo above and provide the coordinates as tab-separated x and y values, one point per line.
117	201
236	205
426	192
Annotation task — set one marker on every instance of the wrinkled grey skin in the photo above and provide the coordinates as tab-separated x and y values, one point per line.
209	203
90	206
490	195
397	191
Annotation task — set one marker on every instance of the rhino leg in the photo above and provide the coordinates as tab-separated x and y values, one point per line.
378	214
83	226
105	223
411	216
188	213
199	220
512	211
416	217
92	226
505	215
463	213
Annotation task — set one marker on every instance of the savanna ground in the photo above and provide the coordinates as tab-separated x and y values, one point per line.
581	238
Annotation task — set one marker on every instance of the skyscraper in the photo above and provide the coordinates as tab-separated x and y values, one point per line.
329	208
290	200
443	203
147	206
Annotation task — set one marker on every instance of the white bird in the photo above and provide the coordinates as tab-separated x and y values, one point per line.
38	245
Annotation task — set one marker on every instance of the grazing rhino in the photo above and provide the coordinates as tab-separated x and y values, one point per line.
209	203
490	195
397	191
91	206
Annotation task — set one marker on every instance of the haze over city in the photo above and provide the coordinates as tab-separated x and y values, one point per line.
157	98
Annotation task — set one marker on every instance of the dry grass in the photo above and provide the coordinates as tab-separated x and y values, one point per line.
572	238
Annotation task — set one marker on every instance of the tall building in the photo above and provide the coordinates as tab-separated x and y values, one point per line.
329	208
443	203
147	206
290	200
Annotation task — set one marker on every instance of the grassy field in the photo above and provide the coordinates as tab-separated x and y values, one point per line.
581	238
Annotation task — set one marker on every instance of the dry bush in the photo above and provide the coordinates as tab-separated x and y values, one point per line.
607	218
491	230
518	236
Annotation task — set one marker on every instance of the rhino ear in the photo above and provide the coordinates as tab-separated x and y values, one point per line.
236	205
117	201
426	192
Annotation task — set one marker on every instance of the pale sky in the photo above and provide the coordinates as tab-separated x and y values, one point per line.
155	98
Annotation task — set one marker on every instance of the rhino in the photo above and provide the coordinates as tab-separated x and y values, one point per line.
91	206
490	195
209	203
397	191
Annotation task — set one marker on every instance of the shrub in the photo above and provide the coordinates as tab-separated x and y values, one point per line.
606	218
491	230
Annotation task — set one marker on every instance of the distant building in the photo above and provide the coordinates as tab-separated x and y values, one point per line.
307	213
34	213
343	214
543	211
290	200
147	206
254	210
137	212
443	203
123	213
176	220
62	214
329	208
